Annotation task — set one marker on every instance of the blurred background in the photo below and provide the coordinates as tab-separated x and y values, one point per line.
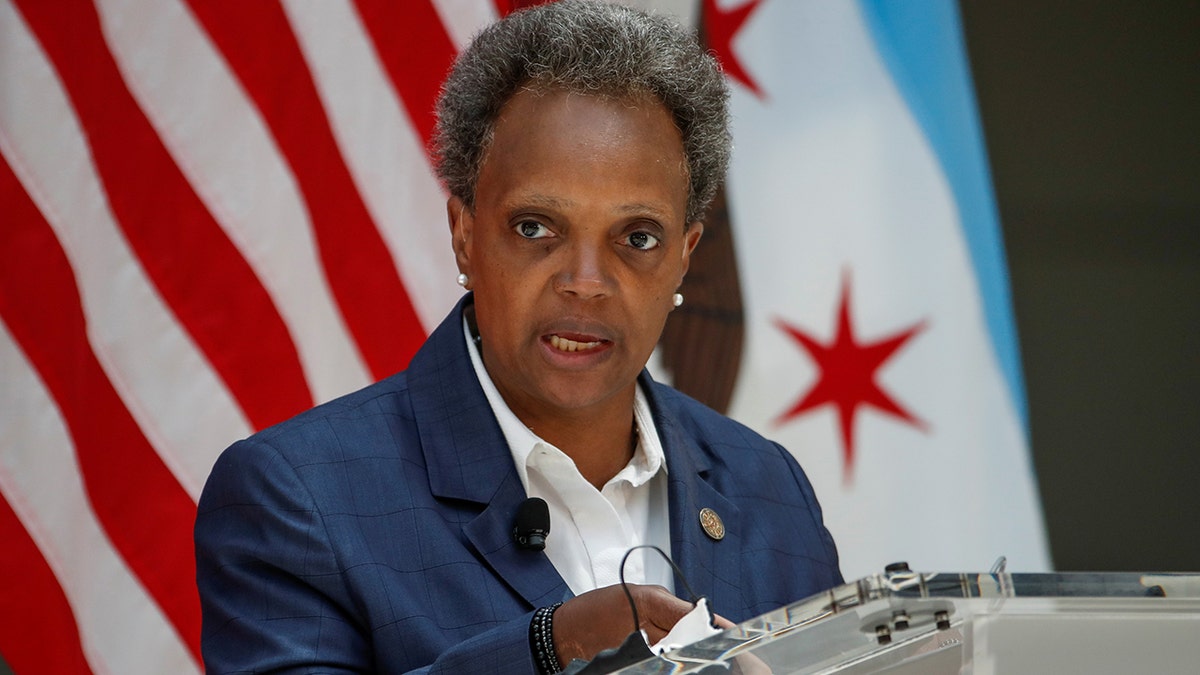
1090	113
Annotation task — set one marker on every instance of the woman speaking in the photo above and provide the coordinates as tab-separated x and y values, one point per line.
580	143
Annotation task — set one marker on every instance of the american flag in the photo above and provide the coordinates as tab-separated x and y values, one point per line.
214	214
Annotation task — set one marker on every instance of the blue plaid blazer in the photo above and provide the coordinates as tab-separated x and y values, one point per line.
373	533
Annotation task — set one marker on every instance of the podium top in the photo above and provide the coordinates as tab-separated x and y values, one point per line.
913	622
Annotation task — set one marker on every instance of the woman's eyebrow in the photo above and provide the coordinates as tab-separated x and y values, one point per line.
536	199
641	209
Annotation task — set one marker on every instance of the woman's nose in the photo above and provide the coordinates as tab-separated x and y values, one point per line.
585	271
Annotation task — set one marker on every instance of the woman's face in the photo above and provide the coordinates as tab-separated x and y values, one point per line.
575	247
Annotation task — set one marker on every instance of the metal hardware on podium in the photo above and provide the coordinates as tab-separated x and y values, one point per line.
943	620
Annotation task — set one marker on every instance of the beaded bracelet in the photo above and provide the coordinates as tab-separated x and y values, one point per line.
541	640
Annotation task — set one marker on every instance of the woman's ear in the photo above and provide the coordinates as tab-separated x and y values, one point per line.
691	237
461	221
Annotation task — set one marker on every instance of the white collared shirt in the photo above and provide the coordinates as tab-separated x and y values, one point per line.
590	529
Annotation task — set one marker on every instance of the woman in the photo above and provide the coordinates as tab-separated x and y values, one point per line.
580	143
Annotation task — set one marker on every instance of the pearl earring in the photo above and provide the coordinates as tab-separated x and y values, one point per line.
462	280
677	299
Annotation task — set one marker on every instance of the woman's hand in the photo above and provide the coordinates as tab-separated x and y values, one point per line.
601	619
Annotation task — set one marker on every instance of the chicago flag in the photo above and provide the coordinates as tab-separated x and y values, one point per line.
880	346
215	214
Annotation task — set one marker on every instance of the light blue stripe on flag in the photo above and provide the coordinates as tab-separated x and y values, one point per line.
921	43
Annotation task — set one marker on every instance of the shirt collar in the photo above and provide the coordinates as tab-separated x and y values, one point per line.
648	457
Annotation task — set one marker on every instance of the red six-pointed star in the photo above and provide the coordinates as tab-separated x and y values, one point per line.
848	375
720	27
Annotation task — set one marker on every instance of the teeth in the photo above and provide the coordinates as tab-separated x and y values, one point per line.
564	345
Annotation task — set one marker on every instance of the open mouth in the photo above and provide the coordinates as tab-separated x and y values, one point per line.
563	344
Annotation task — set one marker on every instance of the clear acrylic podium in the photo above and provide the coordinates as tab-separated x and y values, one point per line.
903	622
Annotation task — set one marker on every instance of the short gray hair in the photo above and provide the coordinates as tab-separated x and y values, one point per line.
587	47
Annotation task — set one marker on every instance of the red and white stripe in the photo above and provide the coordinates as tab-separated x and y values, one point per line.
213	214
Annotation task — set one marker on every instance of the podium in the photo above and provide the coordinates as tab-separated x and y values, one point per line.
904	622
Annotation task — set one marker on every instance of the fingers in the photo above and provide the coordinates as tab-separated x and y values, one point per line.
601	619
749	664
658	610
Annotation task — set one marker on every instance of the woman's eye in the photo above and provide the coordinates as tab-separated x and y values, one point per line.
643	241
531	229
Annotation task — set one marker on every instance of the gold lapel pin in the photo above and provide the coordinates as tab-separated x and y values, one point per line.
712	524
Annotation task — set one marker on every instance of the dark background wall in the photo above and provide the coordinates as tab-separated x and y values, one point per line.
1090	112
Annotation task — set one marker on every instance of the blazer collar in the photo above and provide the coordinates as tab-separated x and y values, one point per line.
467	459
465	451
711	567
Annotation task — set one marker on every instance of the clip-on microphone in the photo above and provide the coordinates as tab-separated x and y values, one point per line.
532	524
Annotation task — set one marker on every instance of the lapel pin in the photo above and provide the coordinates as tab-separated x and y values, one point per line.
712	524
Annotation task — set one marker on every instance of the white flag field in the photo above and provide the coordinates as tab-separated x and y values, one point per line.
215	214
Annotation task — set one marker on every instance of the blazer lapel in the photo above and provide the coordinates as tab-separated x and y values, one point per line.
529	573
710	566
468	459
